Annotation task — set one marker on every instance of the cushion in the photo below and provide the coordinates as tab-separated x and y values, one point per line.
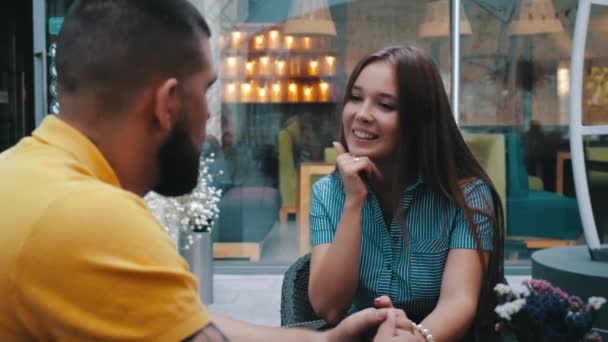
544	214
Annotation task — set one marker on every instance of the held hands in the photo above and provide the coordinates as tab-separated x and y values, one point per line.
389	331
394	326
355	172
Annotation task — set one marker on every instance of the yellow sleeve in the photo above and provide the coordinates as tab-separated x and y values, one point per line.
98	266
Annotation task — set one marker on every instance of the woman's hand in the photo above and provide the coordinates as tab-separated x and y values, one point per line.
390	330
355	171
384	302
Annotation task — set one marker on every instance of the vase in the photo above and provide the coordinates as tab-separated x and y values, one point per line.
197	249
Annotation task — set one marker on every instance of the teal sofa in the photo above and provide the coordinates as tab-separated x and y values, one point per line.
536	213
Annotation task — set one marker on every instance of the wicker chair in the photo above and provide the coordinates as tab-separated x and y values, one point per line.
296	310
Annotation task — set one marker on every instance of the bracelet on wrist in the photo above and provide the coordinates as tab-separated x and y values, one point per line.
423	331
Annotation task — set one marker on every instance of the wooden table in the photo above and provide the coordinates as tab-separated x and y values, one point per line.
591	165
559	171
307	170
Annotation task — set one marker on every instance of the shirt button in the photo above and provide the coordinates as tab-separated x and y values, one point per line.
395	238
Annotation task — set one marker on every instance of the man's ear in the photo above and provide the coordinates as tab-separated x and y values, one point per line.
168	103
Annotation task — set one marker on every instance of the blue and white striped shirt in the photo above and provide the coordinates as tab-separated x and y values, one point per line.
434	226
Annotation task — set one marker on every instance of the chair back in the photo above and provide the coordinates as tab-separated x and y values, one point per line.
330	155
517	176
489	149
287	170
295	304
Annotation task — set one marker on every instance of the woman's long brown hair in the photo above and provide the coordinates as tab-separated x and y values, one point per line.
431	146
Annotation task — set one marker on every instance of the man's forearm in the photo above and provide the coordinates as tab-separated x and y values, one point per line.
232	330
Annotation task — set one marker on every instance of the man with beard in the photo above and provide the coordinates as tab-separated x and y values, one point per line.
82	257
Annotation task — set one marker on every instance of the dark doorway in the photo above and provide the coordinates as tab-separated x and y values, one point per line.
16	72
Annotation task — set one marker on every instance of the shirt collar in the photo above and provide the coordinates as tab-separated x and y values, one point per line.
56	132
419	181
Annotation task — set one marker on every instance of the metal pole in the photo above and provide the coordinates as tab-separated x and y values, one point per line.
40	88
455	39
576	126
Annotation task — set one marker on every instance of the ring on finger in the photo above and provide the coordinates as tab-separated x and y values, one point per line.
355	159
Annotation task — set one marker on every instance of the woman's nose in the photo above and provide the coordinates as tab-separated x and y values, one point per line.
363	113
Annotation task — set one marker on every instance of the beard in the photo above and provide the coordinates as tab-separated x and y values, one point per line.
178	162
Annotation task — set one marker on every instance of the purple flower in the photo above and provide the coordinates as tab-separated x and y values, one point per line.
593	337
576	304
580	324
558	292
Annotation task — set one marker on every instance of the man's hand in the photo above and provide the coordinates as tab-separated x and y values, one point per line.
384	302
357	325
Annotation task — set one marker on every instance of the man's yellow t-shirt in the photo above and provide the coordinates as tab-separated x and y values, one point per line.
81	258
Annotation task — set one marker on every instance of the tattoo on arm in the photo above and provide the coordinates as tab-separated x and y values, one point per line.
210	333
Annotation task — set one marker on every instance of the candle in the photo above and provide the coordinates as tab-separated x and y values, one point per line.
323	92
250	68
295	66
230	67
309	94
279	68
236	39
258	42
273	40
289	42
276	93
329	67
264	66
313	68
262	93
246	92
230	93
292	92
306	43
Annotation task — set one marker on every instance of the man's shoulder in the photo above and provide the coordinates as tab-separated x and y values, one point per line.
95	221
92	204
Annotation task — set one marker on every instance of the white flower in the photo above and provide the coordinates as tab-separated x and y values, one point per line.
508	309
193	211
502	289
596	302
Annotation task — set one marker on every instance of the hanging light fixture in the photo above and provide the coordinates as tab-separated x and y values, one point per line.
436	22
536	17
310	17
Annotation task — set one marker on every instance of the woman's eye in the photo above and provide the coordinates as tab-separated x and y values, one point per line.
387	107
355	98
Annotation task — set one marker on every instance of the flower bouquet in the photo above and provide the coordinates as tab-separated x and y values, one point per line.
545	313
191	213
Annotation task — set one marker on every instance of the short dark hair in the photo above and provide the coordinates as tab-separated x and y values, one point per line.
119	46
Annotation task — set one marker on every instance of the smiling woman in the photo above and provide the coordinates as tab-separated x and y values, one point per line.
410	219
370	117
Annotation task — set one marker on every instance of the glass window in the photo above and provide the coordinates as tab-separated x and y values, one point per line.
515	83
595	112
283	69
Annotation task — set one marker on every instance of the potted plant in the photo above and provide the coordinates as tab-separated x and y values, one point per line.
188	220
